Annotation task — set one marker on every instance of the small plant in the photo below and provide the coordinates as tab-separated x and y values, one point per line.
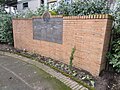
72	57
74	73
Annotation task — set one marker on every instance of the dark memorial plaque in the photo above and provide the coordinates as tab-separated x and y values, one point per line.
48	29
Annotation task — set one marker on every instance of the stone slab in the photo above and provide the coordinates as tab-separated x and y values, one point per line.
51	31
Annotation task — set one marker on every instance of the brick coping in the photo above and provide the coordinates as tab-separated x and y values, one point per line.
66	80
96	16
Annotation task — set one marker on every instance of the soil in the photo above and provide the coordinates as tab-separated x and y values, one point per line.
108	80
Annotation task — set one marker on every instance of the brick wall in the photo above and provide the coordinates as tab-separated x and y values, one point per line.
89	34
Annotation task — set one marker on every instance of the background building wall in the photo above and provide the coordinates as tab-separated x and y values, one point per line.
32	5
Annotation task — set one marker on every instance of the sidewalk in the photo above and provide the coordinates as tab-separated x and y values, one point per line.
70	83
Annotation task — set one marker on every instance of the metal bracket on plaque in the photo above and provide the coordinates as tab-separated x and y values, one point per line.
46	16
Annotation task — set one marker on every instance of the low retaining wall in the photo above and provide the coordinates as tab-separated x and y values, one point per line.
89	34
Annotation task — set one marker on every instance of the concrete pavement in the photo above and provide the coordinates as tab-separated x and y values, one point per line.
19	75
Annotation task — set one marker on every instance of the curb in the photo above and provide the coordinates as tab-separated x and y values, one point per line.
67	81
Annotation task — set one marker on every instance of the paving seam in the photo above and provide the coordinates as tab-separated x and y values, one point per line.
47	69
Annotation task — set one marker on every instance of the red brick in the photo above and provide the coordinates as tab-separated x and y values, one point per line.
89	34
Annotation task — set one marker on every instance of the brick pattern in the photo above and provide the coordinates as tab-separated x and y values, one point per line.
89	34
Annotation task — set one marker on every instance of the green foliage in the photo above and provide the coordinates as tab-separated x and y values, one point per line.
2	2
83	7
63	8
72	57
6	34
40	10
114	54
30	14
6	2
27	14
53	12
90	7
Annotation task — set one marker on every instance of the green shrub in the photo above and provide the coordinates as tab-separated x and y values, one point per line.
40	10
72	57
114	54
62	9
83	7
6	34
27	14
